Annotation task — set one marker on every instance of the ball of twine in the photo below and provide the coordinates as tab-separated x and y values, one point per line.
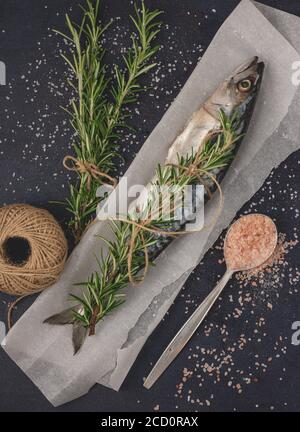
47	249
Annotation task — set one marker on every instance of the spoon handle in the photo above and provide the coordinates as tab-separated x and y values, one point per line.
186	332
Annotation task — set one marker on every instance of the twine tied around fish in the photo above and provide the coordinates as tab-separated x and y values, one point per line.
139	227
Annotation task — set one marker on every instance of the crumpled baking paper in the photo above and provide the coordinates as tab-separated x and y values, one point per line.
45	352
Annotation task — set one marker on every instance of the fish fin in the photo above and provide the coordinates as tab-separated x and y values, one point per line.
79	335
64	317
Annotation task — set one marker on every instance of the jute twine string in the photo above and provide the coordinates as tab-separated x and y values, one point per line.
47	254
88	168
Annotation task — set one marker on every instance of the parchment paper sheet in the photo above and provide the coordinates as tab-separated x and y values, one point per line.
44	352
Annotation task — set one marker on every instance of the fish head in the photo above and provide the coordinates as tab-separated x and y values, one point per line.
239	91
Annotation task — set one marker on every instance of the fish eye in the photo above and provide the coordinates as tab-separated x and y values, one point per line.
245	86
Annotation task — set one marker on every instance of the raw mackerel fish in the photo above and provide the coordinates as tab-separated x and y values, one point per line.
236	96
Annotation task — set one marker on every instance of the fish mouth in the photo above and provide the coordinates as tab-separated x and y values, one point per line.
254	66
257	65
260	67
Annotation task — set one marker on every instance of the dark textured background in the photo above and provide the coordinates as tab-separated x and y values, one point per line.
34	137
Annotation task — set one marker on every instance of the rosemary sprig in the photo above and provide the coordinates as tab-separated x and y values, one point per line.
97	113
103	291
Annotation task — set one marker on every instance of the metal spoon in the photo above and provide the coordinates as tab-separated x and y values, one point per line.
191	325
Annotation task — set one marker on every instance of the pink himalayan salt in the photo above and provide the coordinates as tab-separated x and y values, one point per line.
250	242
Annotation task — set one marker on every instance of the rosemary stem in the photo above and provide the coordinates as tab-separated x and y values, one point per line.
98	109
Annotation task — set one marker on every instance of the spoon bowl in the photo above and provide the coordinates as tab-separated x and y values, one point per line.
250	242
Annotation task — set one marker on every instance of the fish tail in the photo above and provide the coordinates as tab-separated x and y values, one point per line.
62	318
79	332
79	335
